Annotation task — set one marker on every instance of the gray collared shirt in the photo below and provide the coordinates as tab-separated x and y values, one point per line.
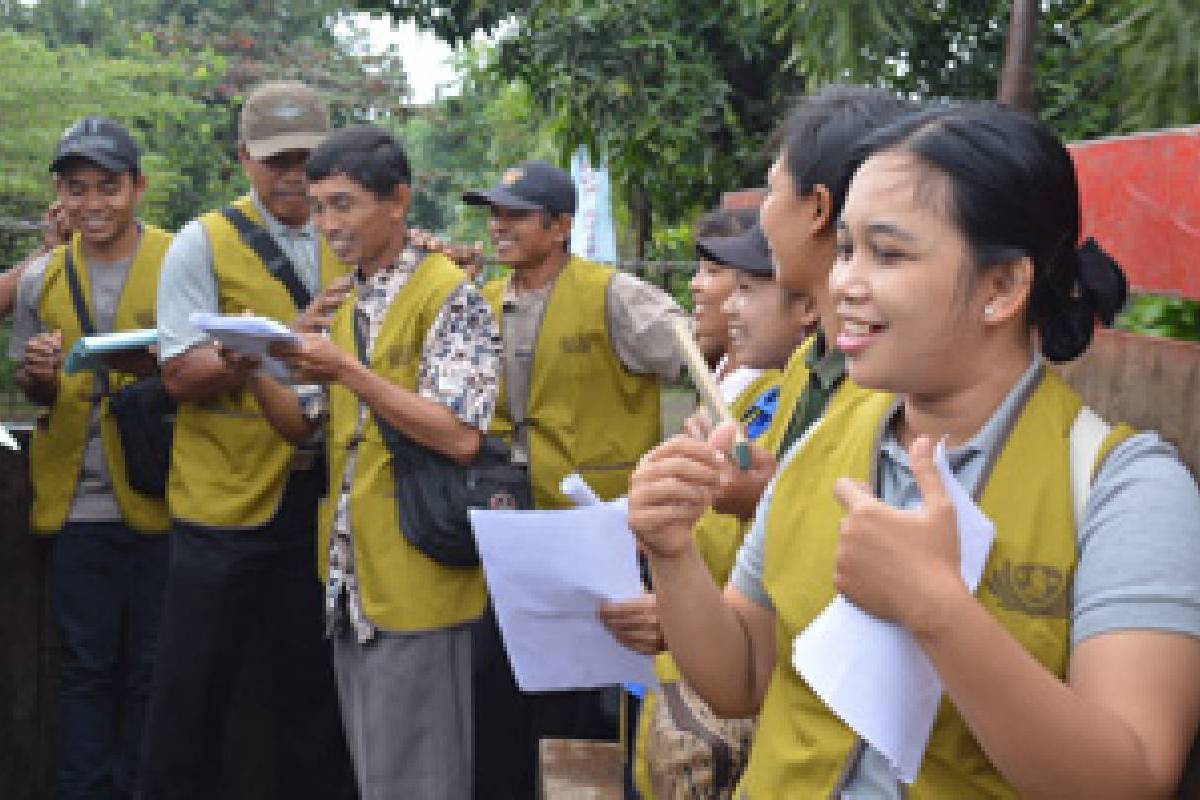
1138	564
188	283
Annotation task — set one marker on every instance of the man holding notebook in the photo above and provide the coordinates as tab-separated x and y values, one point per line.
242	500
110	552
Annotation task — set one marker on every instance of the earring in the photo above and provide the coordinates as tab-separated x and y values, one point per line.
989	310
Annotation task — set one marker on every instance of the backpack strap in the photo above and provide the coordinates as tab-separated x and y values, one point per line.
259	239
81	311
1088	433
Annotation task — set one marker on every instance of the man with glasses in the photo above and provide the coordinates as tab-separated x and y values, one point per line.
243	500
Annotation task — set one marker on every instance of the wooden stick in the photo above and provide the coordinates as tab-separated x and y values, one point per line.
710	392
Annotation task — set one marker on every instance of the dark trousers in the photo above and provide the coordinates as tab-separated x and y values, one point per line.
509	723
108	584
218	581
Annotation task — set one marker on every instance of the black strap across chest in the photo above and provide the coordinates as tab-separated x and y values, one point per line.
81	311
281	268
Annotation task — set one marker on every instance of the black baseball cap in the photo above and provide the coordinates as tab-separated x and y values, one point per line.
529	186
748	251
100	140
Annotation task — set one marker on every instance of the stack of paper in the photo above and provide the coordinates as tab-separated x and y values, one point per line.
248	334
244	333
872	673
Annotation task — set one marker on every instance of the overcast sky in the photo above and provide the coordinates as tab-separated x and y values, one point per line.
426	58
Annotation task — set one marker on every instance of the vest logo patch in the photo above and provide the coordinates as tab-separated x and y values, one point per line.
577	344
400	354
1038	590
145	318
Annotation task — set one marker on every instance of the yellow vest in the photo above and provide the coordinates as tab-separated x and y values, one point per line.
401	588
791	386
585	413
718	537
801	749
56	449
228	465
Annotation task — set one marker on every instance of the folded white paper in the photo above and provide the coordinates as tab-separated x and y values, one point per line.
547	572
872	673
576	489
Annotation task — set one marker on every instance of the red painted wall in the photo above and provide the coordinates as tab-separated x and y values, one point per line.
1141	201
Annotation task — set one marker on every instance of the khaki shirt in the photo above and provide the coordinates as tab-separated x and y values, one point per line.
639	328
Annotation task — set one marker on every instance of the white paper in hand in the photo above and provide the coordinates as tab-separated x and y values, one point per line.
547	572
245	334
8	440
872	673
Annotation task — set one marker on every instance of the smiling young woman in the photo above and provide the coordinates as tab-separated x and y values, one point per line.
1074	669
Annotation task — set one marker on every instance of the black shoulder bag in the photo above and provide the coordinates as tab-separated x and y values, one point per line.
143	411
434	493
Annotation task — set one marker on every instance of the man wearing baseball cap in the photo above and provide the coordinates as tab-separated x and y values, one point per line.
584	350
110	552
243	500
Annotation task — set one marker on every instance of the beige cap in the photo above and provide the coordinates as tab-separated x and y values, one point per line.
280	116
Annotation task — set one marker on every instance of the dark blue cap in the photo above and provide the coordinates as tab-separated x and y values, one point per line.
101	141
529	186
748	251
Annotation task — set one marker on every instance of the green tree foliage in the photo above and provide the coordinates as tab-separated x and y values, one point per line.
43	90
936	49
455	21
1159	315
643	85
680	96
1159	46
193	55
465	139
609	58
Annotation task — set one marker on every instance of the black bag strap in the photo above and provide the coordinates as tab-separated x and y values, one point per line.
81	311
259	239
397	442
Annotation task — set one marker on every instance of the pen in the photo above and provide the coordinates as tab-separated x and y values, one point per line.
709	391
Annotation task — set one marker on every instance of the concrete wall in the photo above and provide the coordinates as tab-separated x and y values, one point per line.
1144	381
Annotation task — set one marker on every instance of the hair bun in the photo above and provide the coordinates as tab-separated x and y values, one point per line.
1066	331
1101	281
1097	290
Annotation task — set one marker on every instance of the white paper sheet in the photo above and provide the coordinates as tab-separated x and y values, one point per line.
576	489
248	334
547	572
872	673
8	440
88	351
243	333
